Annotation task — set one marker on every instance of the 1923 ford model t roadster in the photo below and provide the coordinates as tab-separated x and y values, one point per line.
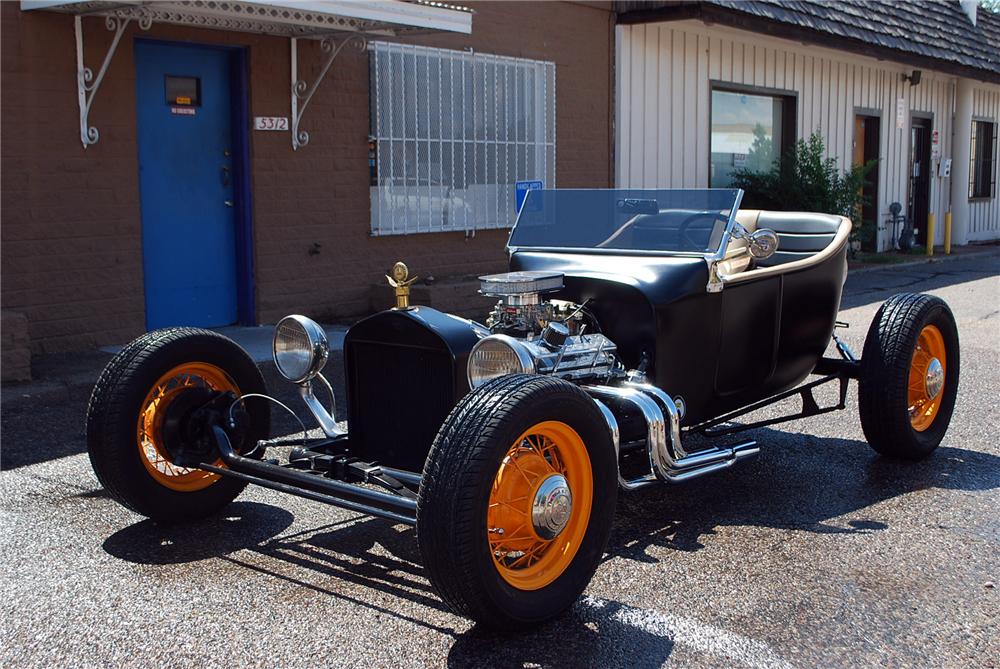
630	322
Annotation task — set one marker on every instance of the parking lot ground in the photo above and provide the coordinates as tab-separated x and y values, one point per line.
818	553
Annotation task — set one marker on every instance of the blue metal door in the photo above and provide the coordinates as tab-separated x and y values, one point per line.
185	111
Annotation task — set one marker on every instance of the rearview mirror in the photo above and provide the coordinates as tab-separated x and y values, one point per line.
762	243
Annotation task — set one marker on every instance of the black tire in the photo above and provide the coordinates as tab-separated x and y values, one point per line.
114	410
885	370
455	492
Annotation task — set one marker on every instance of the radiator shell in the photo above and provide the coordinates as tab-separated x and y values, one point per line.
406	370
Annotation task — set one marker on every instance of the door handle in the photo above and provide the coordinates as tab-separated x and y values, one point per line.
227	175
228	203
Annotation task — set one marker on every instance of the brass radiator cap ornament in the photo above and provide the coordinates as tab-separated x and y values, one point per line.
400	281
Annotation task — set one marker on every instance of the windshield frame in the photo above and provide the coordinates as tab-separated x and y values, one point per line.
716	255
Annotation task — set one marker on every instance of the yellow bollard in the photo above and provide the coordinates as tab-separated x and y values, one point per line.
947	234
930	234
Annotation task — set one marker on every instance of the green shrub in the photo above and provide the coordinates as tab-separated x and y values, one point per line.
805	181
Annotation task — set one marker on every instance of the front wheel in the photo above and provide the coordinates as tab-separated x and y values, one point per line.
909	376
137	421
517	500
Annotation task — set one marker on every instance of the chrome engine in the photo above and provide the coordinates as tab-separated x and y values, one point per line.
530	335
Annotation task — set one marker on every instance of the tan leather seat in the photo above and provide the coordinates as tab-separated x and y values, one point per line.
803	239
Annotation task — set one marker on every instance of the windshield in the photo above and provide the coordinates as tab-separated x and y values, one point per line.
655	221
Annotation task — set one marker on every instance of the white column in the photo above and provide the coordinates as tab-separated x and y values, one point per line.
960	155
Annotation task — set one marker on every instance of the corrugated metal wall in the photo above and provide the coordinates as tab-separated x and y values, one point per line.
664	75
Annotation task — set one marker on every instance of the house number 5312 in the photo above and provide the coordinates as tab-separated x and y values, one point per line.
270	123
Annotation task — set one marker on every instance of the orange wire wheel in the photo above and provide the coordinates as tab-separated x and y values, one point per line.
152	411
927	373
539	506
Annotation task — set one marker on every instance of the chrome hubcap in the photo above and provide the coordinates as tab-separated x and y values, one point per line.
934	380
552	507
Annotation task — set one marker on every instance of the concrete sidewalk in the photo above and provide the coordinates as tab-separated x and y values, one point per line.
957	253
59	377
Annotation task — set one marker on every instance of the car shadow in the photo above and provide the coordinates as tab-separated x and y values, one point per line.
592	634
239	526
801	483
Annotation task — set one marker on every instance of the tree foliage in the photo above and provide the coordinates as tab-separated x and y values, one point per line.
805	181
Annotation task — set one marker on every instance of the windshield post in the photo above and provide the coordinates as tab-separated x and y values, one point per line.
714	280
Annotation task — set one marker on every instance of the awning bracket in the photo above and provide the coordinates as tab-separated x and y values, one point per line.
302	92
86	83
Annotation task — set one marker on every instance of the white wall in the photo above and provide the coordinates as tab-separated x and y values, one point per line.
664	72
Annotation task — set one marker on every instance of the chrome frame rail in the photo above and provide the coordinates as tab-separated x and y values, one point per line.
667	460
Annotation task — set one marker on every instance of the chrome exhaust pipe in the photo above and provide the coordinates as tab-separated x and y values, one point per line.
668	461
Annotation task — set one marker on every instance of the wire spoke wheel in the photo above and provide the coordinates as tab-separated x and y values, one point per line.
926	381
149	436
543	487
141	422
909	376
516	500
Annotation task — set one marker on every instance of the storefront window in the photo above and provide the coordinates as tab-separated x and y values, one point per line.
749	131
982	173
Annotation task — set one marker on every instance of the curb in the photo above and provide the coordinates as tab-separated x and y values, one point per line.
926	260
35	393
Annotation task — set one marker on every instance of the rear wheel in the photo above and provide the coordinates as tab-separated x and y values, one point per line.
909	376
517	500
137	421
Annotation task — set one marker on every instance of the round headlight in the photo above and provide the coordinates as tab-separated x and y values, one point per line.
300	348
498	355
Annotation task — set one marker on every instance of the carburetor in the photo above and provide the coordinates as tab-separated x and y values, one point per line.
520	311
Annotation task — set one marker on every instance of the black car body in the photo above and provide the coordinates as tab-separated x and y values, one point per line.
630	320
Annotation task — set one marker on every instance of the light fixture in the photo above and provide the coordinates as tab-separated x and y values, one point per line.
300	348
497	355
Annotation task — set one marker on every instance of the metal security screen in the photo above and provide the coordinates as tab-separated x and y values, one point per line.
453	131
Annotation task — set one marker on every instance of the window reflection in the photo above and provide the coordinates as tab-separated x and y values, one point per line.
747	133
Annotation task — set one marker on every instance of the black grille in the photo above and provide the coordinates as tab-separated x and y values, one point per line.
399	396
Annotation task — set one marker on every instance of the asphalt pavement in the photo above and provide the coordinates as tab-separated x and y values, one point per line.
817	553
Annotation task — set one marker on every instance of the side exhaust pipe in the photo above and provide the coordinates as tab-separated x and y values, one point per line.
668	462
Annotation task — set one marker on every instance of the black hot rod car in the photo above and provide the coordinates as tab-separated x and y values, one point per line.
634	327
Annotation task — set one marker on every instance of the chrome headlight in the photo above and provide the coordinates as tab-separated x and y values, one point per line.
300	348
498	355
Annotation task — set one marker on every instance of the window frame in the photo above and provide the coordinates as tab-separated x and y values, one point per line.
495	129
992	165
789	114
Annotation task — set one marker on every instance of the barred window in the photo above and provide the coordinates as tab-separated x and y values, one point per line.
983	158
452	131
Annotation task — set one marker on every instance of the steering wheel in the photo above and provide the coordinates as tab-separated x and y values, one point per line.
682	230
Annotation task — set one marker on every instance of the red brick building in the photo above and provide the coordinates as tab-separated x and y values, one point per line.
101	239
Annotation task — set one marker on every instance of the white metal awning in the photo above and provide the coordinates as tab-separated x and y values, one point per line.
290	18
336	22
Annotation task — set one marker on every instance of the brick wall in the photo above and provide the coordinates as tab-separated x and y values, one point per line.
71	232
15	359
